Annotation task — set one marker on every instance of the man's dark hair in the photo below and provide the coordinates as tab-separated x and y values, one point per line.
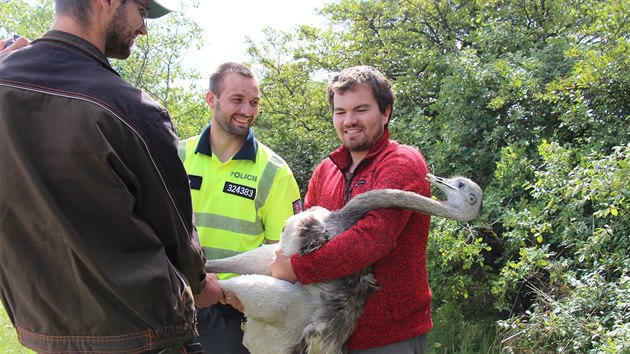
230	67
77	9
356	76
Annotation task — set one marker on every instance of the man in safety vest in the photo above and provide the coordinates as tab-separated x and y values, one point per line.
242	191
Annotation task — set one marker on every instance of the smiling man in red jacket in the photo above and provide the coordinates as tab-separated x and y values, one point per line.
392	241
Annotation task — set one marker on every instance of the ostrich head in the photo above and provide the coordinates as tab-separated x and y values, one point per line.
305	231
462	195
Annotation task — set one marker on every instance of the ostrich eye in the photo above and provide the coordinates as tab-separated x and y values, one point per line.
472	199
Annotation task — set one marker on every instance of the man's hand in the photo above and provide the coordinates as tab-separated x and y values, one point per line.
211	292
20	42
232	300
281	267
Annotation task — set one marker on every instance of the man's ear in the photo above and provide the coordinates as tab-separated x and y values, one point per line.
105	6
211	99
104	3
387	115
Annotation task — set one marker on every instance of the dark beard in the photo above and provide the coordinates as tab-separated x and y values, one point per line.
115	46
224	123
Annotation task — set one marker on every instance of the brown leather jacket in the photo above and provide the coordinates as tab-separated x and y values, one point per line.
98	250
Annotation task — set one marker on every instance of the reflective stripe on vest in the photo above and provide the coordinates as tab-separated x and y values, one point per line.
244	228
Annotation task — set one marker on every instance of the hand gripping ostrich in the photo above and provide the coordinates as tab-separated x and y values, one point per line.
287	318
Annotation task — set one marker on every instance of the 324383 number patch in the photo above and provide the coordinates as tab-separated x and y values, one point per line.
239	190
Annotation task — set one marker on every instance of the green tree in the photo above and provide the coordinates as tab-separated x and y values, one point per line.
295	119
486	89
155	64
567	279
156	67
26	19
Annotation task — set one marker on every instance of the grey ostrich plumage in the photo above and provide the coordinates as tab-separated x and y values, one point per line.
288	317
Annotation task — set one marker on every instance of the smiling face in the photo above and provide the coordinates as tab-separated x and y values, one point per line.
127	23
235	108
357	119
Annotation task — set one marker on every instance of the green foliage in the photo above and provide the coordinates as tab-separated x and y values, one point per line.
294	108
455	257
155	66
527	98
594	318
481	86
8	337
458	335
570	276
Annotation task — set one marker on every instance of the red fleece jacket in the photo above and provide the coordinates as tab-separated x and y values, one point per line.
393	241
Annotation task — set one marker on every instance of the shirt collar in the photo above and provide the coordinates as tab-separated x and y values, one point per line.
247	152
74	42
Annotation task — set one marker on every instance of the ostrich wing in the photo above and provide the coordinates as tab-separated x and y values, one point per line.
256	261
277	311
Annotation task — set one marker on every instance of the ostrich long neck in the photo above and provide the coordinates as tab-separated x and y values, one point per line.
357	207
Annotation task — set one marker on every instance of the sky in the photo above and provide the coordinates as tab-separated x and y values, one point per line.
226	23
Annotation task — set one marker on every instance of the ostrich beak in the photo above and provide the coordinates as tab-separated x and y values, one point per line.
438	181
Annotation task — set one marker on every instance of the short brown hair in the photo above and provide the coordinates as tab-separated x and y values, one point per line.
230	67
353	77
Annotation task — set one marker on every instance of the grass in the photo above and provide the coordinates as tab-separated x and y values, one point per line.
8	338
453	334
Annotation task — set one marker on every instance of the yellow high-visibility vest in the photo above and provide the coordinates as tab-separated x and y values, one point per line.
240	203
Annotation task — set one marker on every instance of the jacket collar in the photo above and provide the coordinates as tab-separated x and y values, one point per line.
341	157
77	43
247	152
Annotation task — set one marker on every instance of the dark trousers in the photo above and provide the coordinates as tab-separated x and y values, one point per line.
220	330
190	348
417	345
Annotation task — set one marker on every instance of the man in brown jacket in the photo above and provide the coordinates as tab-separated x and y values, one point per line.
98	250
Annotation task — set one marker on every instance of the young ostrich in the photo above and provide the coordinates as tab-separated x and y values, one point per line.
288	318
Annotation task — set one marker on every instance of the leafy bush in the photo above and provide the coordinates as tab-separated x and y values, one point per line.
572	272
